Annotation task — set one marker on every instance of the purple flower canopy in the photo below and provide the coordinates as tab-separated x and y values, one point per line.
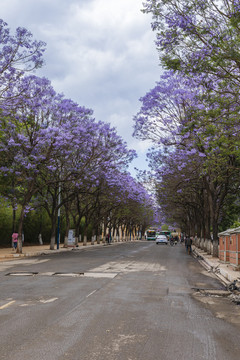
47	139
192	114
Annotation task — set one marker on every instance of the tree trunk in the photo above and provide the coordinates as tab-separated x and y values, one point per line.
67	228
215	239
77	229
53	233
13	220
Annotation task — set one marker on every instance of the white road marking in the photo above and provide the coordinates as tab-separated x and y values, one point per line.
91	293
6	305
100	275
128	266
48	301
67	274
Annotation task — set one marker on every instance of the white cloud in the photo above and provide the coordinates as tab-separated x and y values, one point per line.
100	53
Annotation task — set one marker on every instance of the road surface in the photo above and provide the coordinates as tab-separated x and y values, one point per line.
126	301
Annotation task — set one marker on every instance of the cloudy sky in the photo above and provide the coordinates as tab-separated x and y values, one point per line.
100	53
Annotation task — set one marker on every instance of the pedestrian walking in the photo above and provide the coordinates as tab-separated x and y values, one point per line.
188	243
14	240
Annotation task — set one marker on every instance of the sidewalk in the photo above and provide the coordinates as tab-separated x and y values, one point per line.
225	272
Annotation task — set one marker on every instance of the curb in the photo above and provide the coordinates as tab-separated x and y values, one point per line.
223	275
35	253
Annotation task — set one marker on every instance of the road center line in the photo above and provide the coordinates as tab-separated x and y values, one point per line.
91	293
6	305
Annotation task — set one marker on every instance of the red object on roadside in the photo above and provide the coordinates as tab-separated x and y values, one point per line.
15	239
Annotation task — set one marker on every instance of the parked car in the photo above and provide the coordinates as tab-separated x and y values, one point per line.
161	239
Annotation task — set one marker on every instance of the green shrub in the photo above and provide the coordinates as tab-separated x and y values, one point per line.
36	222
6	223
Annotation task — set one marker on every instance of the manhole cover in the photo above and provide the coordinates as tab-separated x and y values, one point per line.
22	273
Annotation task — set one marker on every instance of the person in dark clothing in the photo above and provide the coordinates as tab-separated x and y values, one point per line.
108	238
188	243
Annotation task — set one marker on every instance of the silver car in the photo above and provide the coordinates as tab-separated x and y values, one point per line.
161	239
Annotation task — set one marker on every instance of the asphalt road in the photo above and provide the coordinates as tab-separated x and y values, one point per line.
127	301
